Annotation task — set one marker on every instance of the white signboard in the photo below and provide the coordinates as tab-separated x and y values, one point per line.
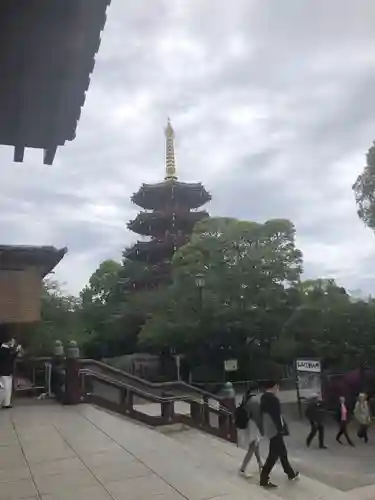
308	365
309	385
308	378
231	365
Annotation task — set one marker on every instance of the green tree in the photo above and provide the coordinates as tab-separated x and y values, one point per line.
364	190
102	283
60	320
248	268
113	311
100	309
328	324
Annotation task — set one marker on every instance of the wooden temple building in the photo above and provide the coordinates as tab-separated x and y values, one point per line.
47	55
22	269
171	209
47	51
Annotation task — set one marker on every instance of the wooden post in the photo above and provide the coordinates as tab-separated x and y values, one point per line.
226	424
167	410
57	380
206	412
72	383
195	412
129	401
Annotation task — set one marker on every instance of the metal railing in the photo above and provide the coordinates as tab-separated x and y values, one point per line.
154	404
157	388
124	398
32	376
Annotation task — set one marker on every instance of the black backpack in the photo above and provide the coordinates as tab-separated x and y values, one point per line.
241	417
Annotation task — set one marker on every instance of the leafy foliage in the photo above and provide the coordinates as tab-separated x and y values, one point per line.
247	268
253	307
364	191
60	320
328	324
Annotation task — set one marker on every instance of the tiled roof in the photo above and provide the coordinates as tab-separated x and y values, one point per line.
47	51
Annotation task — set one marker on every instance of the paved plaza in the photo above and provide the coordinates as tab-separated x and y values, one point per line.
51	452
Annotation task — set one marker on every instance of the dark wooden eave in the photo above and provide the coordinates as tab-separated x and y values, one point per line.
157	222
47	51
155	251
17	257
171	192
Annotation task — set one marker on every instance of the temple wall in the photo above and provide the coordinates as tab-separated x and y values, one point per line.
20	292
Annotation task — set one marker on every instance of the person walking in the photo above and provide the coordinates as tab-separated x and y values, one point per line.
315	413
249	436
275	429
363	416
9	350
343	420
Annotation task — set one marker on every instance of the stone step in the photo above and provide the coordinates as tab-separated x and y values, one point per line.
201	466
173	462
219	457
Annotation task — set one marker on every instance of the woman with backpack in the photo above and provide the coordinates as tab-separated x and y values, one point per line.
363	416
248	433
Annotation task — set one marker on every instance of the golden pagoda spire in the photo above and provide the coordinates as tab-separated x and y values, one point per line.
170	161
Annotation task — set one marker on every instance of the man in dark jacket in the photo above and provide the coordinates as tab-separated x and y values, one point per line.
315	413
275	429
9	350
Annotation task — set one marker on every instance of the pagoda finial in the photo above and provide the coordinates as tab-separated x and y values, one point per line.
170	161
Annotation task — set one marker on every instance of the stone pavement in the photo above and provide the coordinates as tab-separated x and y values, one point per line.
340	466
50	452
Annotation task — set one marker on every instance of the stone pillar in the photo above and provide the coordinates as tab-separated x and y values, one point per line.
195	412
226	422
58	370
72	381
206	412
167	410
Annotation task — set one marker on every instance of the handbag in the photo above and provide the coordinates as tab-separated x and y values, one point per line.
285	431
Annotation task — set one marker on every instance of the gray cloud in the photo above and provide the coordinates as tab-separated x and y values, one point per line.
272	103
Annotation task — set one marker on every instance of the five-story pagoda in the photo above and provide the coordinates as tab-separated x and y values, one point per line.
171	211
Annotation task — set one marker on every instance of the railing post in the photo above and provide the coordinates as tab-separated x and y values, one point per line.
195	412
129	401
123	397
57	371
206	412
167	410
226	425
72	382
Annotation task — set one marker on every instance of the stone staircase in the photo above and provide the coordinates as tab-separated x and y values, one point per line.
218	458
199	466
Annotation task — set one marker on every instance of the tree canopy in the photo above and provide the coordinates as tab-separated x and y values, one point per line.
364	190
253	306
60	320
247	269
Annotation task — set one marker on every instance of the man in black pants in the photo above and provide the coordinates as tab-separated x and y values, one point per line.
275	429
315	413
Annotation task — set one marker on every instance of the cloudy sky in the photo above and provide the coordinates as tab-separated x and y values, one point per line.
273	106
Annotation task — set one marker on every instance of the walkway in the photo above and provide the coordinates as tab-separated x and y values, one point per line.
82	453
51	452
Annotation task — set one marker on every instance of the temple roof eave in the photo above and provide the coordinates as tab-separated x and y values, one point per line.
196	196
142	249
151	223
169	184
144	217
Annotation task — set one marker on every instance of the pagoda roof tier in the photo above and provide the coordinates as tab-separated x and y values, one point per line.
171	193
159	274
155	250
158	223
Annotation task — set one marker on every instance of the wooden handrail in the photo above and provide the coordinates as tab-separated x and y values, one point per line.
149	396
176	385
